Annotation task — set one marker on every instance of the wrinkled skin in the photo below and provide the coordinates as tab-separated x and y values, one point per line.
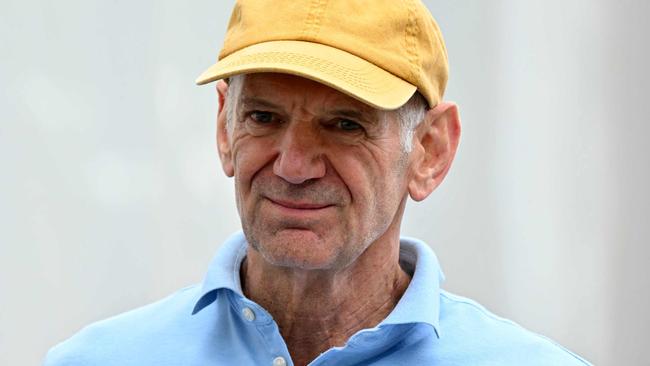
314	187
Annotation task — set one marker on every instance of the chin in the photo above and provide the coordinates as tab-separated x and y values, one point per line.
299	249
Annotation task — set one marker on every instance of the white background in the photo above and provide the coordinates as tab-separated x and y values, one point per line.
111	195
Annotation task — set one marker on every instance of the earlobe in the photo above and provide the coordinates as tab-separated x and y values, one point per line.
437	139
223	137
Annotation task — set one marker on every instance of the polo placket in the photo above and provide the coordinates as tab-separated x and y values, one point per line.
253	315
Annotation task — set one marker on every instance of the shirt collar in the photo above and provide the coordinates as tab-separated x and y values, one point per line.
420	303
223	271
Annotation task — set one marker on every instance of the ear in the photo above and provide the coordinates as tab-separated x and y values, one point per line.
223	138
435	143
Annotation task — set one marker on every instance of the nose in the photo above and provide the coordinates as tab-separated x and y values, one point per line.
300	155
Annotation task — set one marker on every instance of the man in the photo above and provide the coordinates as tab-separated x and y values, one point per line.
330	117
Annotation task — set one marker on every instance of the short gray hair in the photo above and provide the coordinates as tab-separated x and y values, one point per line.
235	84
410	115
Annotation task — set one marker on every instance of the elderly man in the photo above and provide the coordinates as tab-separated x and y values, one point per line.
330	117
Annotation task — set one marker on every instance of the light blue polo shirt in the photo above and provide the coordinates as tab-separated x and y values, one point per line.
215	324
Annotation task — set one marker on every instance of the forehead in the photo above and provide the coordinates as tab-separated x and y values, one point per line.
294	90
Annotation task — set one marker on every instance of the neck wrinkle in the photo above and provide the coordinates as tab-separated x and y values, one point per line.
312	320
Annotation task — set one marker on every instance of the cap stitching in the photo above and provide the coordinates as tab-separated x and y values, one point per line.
319	17
440	82
410	35
351	76
308	21
312	24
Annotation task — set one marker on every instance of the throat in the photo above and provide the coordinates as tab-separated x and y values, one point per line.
318	311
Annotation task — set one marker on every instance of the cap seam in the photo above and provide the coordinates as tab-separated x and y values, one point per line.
308	20
313	22
410	32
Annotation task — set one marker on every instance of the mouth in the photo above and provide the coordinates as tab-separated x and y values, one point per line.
298	205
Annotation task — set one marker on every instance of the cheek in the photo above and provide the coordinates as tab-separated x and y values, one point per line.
376	185
367	169
362	177
249	156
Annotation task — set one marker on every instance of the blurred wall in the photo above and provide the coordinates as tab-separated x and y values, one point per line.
111	194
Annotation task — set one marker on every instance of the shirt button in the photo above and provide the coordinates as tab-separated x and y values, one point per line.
248	314
279	361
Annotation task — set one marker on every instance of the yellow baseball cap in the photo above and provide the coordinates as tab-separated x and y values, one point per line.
377	51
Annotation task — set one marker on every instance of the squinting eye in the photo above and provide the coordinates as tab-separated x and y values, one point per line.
262	117
348	125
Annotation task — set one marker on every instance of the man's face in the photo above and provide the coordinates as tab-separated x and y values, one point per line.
319	176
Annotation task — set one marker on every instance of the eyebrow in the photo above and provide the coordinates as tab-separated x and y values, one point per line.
254	101
364	114
348	113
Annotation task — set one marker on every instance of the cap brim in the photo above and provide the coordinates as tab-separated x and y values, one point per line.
331	66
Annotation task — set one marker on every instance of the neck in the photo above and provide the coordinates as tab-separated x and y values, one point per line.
317	310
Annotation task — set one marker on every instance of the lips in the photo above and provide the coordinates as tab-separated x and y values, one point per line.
297	205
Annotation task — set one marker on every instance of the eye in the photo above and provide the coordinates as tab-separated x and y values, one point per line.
262	117
348	125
